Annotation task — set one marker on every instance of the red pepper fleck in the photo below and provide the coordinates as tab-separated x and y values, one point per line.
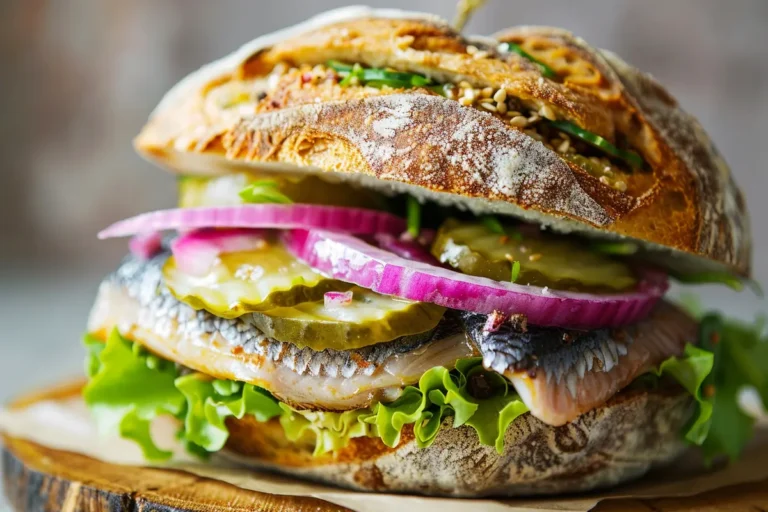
709	390
237	350
306	78
714	338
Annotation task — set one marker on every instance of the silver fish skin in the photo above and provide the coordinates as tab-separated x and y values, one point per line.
143	281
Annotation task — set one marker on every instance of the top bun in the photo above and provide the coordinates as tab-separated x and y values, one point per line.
685	207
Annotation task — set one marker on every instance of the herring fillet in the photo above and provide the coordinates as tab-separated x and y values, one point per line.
562	374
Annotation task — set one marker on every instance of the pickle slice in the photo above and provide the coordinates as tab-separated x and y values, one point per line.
542	259
242	282
225	190
369	319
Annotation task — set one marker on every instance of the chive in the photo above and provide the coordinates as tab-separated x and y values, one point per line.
264	191
617	248
493	224
630	157
414	217
729	280
377	77
515	270
516	48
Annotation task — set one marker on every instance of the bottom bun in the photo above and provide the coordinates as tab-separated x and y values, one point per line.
619	441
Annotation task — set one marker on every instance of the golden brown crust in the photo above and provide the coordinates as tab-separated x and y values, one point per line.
425	143
618	441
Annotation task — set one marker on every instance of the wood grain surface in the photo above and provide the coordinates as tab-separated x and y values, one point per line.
38	479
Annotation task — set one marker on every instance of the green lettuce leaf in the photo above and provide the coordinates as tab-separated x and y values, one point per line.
211	402
129	388
440	393
125	394
691	371
731	356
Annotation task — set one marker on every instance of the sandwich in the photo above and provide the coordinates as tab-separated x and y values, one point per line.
407	260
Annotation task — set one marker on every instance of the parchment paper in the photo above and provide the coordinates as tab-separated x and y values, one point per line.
67	425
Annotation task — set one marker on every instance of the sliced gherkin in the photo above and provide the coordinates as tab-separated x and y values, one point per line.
226	190
242	282
537	258
368	319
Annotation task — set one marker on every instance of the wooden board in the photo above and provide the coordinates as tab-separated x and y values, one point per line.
38	479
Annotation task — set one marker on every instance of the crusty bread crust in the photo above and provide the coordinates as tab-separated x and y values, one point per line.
616	442
440	150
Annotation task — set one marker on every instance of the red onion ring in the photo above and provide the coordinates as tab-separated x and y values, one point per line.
196	252
278	216
408	249
146	245
350	259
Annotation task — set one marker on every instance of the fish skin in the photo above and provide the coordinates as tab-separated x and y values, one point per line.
611	359
543	348
143	281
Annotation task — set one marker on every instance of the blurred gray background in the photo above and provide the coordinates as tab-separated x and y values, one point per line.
78	78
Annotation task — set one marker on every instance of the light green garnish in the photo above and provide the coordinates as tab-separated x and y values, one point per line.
264	191
493	224
377	77
414	217
516	48
617	248
634	160
515	270
732	281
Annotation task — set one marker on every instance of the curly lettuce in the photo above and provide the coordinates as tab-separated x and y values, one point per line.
129	387
440	393
731	356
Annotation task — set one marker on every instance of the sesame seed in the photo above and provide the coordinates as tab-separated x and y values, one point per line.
534	257
534	118
471	49
487	92
620	185
604	180
490	107
509	257
564	146
548	112
464	85
534	134
466	101
519	121
481	55
470	93
501	107
500	96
